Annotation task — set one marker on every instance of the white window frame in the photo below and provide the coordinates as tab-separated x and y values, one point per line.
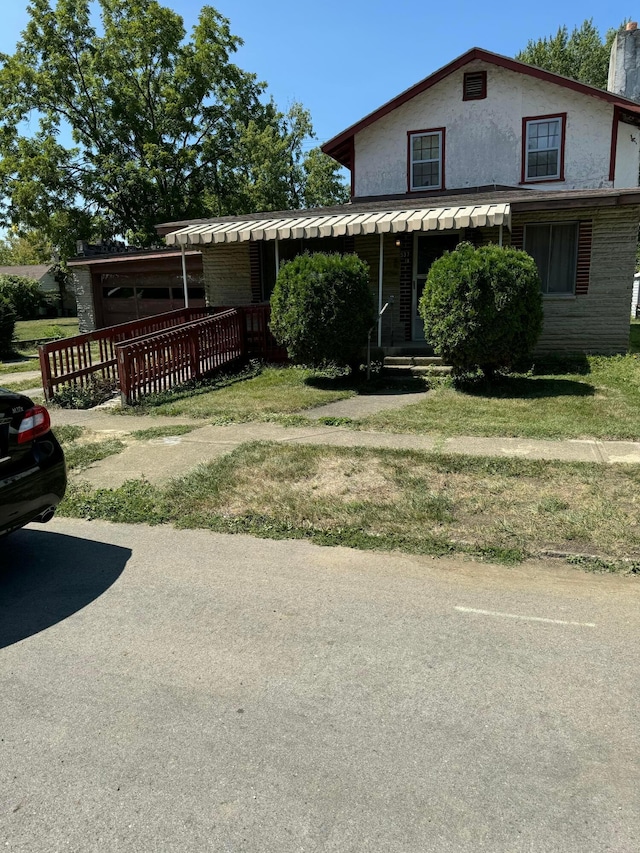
439	160
544	120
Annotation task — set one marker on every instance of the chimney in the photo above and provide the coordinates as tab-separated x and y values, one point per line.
624	64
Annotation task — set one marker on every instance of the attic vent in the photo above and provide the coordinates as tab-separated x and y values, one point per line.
474	86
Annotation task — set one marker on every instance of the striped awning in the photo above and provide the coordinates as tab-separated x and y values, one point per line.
343	224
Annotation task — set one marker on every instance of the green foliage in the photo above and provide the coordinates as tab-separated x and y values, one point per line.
24	295
583	55
322	308
85	396
482	307
163	126
32	247
7	326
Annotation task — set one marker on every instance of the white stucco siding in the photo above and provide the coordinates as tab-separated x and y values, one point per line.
627	156
484	138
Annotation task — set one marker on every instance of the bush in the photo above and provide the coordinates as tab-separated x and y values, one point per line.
7	326
322	309
24	294
482	307
96	391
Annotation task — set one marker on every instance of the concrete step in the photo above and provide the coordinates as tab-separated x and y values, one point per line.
404	371
411	360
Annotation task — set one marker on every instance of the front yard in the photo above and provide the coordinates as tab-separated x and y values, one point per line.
592	397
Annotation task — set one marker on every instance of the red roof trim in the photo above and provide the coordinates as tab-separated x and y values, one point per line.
332	146
614	144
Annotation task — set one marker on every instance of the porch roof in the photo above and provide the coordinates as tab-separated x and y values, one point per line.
345	223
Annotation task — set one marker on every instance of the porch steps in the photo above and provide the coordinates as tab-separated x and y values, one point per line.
401	366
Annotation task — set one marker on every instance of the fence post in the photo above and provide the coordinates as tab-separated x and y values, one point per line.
45	372
123	375
194	352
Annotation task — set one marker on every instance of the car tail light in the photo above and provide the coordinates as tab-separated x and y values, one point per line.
35	422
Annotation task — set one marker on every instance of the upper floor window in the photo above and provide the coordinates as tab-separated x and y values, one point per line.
543	148
426	159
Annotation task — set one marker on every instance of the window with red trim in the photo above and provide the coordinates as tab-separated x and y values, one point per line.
543	148
426	160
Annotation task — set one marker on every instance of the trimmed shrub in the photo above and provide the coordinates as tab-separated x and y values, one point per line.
482	308
24	294
322	309
7	326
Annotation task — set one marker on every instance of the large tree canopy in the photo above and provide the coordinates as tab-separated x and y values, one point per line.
109	130
583	55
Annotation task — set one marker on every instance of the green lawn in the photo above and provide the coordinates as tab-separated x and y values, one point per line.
274	392
597	397
56	327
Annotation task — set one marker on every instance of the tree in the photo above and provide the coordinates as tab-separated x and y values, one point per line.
482	307
583	55
24	296
322	309
32	247
162	127
7	326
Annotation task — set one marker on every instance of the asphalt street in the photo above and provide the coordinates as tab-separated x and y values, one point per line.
167	690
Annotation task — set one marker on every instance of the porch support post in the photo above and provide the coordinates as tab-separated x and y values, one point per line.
380	277
500	235
184	278
277	257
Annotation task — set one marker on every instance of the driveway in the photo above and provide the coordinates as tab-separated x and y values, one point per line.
170	690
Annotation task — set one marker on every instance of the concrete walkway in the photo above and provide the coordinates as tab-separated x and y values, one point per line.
160	459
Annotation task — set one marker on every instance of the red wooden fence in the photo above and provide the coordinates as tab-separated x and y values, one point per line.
154	363
78	359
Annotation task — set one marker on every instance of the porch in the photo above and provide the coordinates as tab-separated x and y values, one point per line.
241	259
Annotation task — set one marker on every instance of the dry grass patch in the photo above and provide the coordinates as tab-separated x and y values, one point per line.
416	501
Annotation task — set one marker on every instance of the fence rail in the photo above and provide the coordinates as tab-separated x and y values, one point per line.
78	359
157	362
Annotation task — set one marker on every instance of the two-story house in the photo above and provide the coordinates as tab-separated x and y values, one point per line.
487	149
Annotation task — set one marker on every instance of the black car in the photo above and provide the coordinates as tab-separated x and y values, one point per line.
33	476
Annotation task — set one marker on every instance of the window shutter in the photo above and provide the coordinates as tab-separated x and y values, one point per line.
254	272
517	237
474	86
584	257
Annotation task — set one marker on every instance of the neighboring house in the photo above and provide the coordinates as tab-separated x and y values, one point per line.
44	274
486	149
114	285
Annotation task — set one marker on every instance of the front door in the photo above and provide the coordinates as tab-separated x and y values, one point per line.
426	249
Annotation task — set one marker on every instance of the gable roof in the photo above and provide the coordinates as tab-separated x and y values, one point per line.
35	271
341	146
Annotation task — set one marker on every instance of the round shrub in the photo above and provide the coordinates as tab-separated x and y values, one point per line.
322	309
482	307
7	326
24	294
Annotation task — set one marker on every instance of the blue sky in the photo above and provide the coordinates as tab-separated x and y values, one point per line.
343	58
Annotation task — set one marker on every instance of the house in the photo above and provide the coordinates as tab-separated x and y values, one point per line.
45	275
486	149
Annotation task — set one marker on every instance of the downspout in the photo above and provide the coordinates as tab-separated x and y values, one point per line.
380	275
500	236
184	278
277	258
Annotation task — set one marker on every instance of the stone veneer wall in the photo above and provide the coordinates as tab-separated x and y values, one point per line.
597	321
227	274
80	282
